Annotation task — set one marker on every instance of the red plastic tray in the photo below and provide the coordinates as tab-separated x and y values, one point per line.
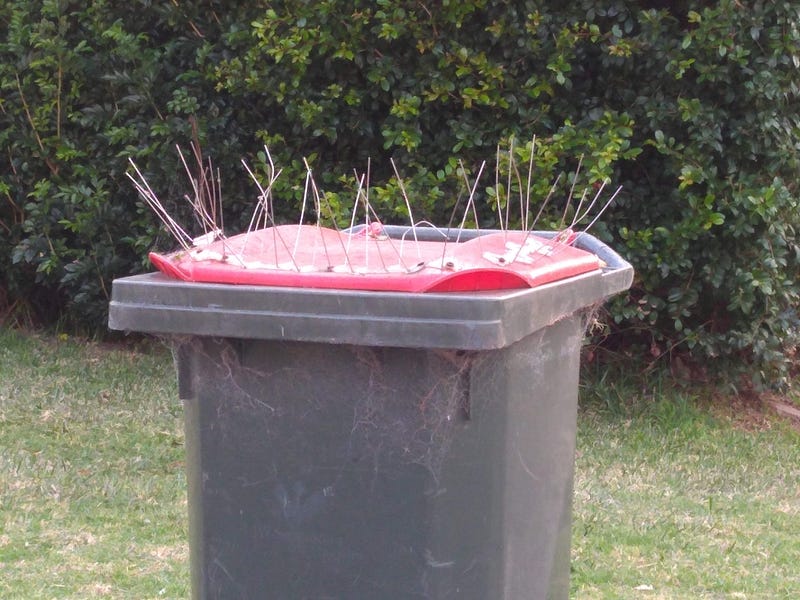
315	257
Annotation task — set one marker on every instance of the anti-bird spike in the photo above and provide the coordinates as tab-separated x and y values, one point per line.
261	255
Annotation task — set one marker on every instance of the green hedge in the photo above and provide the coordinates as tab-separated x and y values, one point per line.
691	106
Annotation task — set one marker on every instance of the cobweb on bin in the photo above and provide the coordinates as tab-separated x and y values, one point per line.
416	424
374	410
336	408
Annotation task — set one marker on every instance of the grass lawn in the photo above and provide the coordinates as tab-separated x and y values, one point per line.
674	497
92	486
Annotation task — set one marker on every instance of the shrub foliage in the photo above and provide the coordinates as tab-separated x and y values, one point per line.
692	106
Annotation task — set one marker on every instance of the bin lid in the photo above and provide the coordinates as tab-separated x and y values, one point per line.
468	320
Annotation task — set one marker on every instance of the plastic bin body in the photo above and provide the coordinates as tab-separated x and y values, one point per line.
375	445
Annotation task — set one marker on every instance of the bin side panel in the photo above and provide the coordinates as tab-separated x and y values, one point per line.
340	471
315	465
501	521
539	465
